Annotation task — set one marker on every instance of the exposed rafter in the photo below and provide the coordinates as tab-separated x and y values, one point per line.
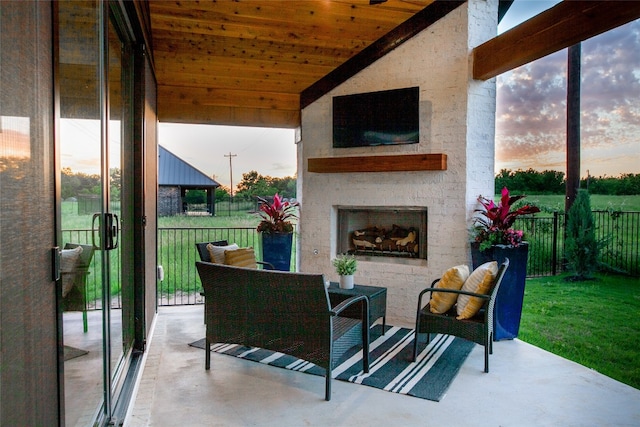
563	25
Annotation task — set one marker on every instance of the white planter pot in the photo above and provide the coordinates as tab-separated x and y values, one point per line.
346	282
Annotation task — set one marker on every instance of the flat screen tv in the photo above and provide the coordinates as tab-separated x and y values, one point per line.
376	118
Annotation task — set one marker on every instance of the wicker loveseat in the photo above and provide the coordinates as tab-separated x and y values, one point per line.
280	311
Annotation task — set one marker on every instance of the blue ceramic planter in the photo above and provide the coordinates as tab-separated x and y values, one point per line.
508	310
276	249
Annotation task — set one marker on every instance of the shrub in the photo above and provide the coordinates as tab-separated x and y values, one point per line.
581	247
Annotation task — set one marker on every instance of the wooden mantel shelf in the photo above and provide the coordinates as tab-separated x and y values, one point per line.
397	163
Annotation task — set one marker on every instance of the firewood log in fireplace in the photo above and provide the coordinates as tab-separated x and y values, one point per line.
398	239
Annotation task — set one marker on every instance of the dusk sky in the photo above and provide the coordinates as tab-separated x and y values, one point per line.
269	151
531	104
530	119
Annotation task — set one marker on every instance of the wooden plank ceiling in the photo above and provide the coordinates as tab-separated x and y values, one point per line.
246	62
256	62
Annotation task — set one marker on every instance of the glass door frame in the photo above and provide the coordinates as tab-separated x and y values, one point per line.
110	17
113	18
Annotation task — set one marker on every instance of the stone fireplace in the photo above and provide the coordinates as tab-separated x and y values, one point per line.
431	186
393	232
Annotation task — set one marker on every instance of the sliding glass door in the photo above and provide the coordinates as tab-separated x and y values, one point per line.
95	80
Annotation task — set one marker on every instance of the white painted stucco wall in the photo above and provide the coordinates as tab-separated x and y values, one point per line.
457	119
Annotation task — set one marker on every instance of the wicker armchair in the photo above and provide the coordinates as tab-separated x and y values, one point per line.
478	329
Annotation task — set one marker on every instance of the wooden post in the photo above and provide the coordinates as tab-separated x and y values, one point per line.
573	125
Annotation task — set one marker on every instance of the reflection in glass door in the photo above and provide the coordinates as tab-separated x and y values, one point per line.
80	146
95	79
119	166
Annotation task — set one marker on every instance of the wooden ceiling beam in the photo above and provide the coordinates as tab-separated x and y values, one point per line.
200	96
169	111
563	25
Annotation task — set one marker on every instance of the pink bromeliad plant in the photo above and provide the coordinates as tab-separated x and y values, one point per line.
492	225
276	216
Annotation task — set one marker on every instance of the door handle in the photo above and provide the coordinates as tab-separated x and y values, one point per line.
113	231
56	256
95	230
112	228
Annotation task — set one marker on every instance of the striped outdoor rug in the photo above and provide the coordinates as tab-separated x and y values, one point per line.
390	368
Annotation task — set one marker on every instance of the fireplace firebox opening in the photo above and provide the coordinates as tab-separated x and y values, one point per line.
396	232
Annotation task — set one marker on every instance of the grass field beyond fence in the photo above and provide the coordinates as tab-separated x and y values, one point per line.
595	323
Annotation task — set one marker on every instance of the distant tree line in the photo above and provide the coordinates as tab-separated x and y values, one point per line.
79	183
553	182
253	185
74	184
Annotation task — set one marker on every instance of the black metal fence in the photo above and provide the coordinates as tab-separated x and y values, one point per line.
235	207
177	255
618	232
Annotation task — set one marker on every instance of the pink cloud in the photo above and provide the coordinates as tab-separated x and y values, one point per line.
531	101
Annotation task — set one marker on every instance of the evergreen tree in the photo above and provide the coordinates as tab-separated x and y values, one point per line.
581	247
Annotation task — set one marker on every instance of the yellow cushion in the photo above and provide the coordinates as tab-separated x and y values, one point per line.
453	278
479	282
243	257
216	253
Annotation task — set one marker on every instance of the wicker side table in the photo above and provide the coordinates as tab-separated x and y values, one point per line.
376	295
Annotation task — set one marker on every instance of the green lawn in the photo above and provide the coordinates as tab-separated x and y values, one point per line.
599	202
594	323
71	220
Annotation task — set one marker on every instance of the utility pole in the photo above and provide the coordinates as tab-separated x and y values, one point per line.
230	156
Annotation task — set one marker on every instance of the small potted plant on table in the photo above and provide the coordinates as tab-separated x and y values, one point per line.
345	266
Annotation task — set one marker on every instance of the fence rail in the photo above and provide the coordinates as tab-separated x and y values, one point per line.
177	255
619	233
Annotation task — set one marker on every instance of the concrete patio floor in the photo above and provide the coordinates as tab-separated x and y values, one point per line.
526	386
